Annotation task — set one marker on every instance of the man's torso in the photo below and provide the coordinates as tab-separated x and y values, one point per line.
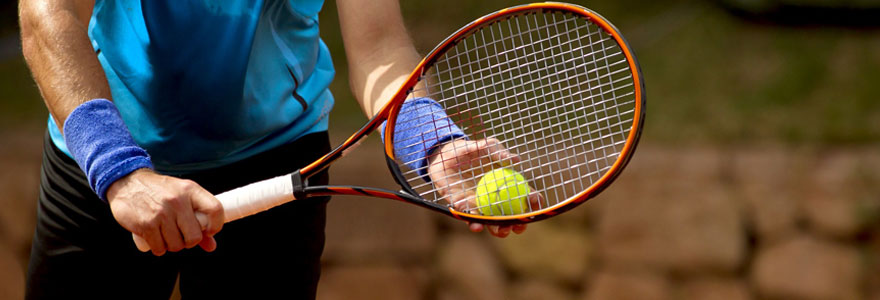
202	84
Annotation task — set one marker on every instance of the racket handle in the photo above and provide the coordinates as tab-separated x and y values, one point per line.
244	201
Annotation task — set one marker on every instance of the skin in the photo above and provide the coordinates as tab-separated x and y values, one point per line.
160	208
380	58
473	158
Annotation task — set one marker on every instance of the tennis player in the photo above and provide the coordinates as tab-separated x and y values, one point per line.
157	105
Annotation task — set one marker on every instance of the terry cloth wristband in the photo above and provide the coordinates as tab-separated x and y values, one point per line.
101	145
422	125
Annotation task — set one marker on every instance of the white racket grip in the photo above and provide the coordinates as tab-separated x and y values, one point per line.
256	197
244	201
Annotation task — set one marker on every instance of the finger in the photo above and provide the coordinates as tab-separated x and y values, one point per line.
535	200
454	151
499	231
171	235
506	158
204	202
495	150
208	243
190	228
468	154
503	231
493	229
519	228
500	154
465	202
154	239
475	227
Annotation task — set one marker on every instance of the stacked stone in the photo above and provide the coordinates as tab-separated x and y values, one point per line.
680	223
707	223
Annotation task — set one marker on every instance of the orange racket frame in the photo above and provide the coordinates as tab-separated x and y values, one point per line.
390	110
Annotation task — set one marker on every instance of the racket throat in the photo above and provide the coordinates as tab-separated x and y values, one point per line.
299	185
405	187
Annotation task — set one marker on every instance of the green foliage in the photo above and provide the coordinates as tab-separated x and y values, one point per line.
710	76
715	78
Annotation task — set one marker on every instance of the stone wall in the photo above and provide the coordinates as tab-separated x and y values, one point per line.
681	223
765	222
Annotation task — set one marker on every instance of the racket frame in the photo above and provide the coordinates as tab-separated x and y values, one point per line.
390	110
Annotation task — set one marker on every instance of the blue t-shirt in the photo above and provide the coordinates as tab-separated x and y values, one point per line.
204	83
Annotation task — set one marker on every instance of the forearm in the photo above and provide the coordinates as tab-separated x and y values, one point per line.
379	51
57	49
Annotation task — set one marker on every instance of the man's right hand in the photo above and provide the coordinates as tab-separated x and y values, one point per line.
161	209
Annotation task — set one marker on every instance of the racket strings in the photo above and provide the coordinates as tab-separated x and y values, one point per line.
464	85
479	129
552	88
580	136
418	123
570	134
512	37
545	85
490	65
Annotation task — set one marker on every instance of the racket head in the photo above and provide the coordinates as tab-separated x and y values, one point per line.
555	84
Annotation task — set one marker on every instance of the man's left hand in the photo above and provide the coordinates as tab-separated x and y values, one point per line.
453	169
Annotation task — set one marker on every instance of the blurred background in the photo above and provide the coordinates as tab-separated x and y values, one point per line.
758	176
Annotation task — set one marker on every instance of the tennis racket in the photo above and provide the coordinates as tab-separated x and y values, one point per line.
553	91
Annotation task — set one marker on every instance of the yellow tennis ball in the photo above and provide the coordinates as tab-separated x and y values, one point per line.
502	192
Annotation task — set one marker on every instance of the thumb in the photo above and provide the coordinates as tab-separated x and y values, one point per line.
206	204
208	243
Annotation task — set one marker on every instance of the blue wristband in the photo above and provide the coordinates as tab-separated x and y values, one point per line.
427	126
101	145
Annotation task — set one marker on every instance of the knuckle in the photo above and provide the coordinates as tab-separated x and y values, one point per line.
175	201
193	240
215	207
140	228
157	218
171	201
169	198
188	185
146	225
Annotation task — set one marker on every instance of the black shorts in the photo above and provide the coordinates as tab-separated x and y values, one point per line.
80	252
